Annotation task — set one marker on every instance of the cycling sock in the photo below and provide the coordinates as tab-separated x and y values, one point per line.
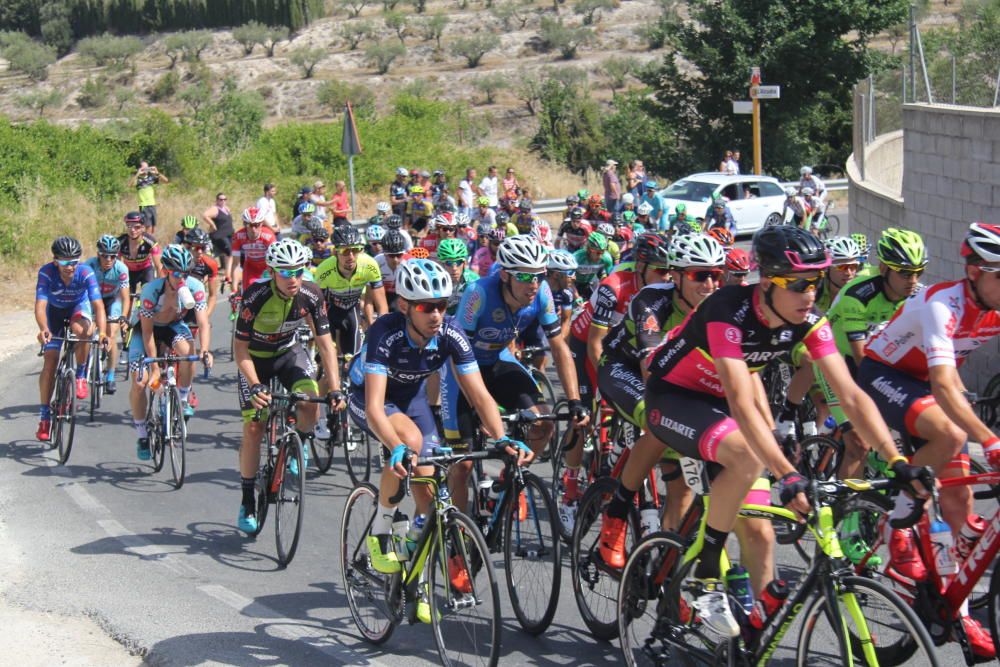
111	376
44	412
382	524
788	411
81	371
184	393
621	501
708	560
140	428
247	484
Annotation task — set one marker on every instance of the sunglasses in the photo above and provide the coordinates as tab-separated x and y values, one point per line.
430	306
109	256
179	275
67	262
660	270
570	273
291	273
454	262
702	275
800	285
221	199
528	278
137	225
909	273
350	249
395	255
739	274
990	269
845	268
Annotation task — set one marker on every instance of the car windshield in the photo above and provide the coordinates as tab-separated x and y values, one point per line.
690	191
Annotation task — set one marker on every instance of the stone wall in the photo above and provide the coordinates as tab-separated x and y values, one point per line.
941	172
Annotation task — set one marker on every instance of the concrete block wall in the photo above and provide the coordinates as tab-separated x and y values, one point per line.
949	177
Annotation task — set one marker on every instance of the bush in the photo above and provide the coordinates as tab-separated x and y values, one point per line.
334	95
29	57
590	9
306	58
165	87
40	100
250	35
473	48
569	129
94	93
123	96
354	32
398	23
432	28
618	69
275	34
382	54
352	7
490	84
555	35
109	49
508	13
56	30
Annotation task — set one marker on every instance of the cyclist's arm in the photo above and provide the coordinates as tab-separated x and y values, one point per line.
762	405
244	362
595	343
213	295
947	387
146	328
204	329
100	316
563	359
154	255
41	318
379	300
378	422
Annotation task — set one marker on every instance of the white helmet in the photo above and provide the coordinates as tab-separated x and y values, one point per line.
983	240
462	219
422	280
808	191
806	171
444	221
606	228
628	198
843	249
696	250
542	231
562	260
645	208
522	252
286	254
375	233
401	171
382	207
790	191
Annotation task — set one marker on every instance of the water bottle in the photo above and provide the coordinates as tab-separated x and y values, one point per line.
771	599
485	489
649	518
942	544
809	429
400	528
972	530
413	535
184	298
738	585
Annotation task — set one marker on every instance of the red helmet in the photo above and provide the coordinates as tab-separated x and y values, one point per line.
738	260
723	236
252	214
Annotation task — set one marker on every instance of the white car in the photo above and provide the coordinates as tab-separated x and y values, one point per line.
752	199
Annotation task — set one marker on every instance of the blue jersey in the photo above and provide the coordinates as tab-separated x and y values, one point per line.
489	323
389	351
153	299
81	289
563	299
111	281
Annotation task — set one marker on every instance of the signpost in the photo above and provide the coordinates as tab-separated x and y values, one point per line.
758	93
742	107
350	146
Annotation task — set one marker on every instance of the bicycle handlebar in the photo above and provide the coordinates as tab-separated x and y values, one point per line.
172	358
293	398
527	416
841	488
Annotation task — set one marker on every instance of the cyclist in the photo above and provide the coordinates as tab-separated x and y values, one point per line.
737	267
574	231
493	311
484	258
453	255
812	208
382	211
264	348
344	278
608	230
720	215
249	249
396	222
658	207
483	212
112	279
678	221
388	262
524	218
205	269
67	296
543	232
420	209
302	223
862	241
706	371
188	222
318	243
160	321
643	219
594	262
810	180
723	236
795	204
374	235
561	274
140	251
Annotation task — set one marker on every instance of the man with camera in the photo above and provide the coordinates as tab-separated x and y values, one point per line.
143	181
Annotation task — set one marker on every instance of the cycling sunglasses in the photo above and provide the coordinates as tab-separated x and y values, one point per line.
350	249
844	268
136	225
67	262
109	256
702	275
570	273
430	306
990	269
909	273
254	224
180	275
800	285
454	262
291	273
739	274
528	278
397	255
660	270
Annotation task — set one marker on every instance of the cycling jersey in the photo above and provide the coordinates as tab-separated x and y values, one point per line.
152	300
482	261
142	256
82	288
419	209
574	235
649	315
206	269
860	309
388	275
939	326
730	323
607	304
468	277
523	222
345	293
112	281
269	322
251	253
430	242
563	300
590	271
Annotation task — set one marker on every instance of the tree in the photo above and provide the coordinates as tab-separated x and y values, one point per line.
123	95
473	48
250	35
275	34
508	13
433	27
354	32
397	22
617	69
382	54
94	93
554	35
528	89
490	84
569	126
109	49
590	9
165	87
389	5
56	29
196	96
195	43
419	5
28	57
352	7
306	58
40	100
335	94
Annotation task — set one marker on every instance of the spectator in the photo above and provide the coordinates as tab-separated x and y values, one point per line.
219	221
318	198
467	192
305	197
398	192
425	181
268	208
340	202
612	186
727	166
489	187
736	161
636	178
439	183
510	185
143	181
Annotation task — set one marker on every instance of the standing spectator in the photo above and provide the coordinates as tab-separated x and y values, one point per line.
489	187
341	204
143	181
727	166
398	192
269	209
425	180
510	184
219	221
467	192
736	161
636	177
305	197
318	197
439	184
612	186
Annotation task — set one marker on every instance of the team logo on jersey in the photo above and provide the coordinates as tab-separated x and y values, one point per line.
654	416
147	304
499	316
824	334
199	296
651	325
246	315
733	335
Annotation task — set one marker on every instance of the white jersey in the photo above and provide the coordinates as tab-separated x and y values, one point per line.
388	275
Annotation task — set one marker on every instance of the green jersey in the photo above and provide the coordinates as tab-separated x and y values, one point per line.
860	309
590	272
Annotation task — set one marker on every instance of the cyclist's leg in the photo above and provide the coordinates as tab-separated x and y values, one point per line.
295	371
586	380
253	433
514	389
113	307
756	538
183	344
50	359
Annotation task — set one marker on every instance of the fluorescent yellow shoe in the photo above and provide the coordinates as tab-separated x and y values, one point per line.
383	561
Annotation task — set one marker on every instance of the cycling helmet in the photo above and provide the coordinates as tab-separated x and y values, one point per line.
382	207
806	171
572	200
628	198
645	208
652	248
786	249
607	229
790	191
497	234
319	235
628	217
393	242
452	250
419	253
723	236
307	209
375	233
651	185
562	260
541	230
597	240
189	222
108	245
402	171
576	214
687	226
286	254
177	258
417	190
862	241
595	201
313	226
738	260
582	194
133	216
422	280
983	241
394	221
197	237
66	247
901	248
438	221
623	234
525	206
445	206
483	201
843	249
680	208
502	218
252	214
521	252
696	250
462	220
345	235
808	191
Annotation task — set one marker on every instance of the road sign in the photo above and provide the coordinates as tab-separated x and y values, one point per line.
742	106
765	92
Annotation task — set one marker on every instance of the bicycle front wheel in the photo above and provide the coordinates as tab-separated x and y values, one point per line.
178	438
464	596
322	451
290	499
532	556
66	414
880	629
157	441
95	380
357	451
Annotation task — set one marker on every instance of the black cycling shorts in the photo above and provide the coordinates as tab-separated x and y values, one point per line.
691	423
294	370
511	386
142	276
345	327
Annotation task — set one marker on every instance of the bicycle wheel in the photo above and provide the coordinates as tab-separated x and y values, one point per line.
832	225
66	414
290	497
820	457
266	469
641	618
157	441
178	438
466	624
532	557
322	452
989	412
544	385
552	449
892	632
595	584
357	451
367	589
95	380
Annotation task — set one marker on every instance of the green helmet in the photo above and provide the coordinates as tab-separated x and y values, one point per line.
628	217
680	208
862	241
902	249
583	194
597	240
452	249
189	222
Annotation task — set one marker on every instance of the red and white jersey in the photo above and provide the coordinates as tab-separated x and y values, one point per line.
250	253
607	304
939	326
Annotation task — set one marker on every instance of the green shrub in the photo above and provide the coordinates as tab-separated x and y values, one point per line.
94	93
473	48
28	56
335	94
109	49
306	58
382	54
250	35
165	87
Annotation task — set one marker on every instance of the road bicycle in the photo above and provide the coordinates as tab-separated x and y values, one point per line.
345	433
465	620
63	404
96	361
869	623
